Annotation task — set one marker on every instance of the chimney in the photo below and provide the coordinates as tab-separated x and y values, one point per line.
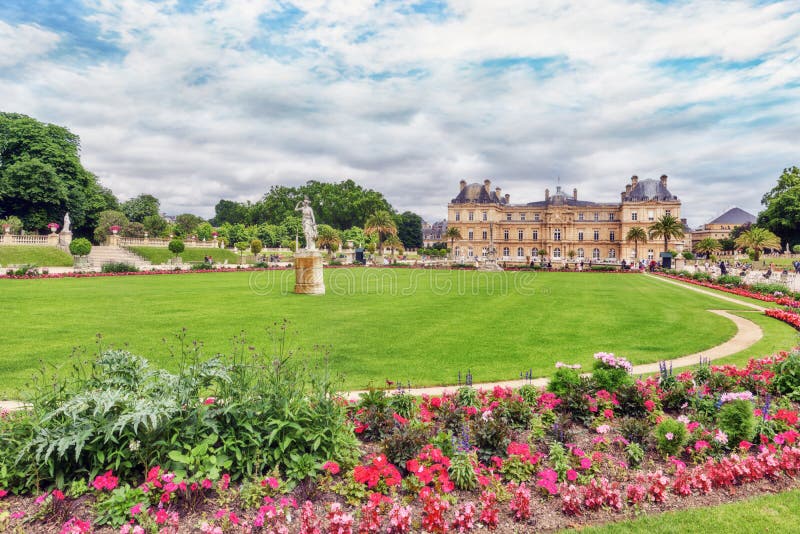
463	184
487	184
664	180
628	188
575	193
498	192
508	198
546	195
683	221
634	180
622	196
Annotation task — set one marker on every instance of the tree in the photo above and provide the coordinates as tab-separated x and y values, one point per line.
133	229
41	176
707	246
781	215
80	247
241	246
636	234
256	246
14	223
138	208
356	235
155	225
393	242
409	229
666	227
106	220
758	239
328	238
186	224
452	233
228	211
382	225
176	246
205	231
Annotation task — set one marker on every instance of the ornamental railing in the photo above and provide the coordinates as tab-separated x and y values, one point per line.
17	239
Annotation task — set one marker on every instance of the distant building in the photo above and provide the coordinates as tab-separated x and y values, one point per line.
720	228
433	233
560	226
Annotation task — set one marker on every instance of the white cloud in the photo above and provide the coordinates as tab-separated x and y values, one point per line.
212	104
23	43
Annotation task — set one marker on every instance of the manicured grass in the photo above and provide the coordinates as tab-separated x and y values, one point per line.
158	255
421	326
778	336
41	256
768	513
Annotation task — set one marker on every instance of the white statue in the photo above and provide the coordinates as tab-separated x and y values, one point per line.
309	223
66	223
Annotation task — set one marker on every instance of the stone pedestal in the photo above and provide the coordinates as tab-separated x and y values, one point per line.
65	238
113	240
52	239
308	273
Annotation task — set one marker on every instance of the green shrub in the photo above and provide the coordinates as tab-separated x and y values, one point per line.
604	268
670	436
563	381
515	412
119	267
403	404
770	289
467	396
787	377
492	437
176	246
256	246
635	454
462	472
405	443
729	280
736	419
635	429
80	247
610	378
445	442
631	401
202	266
701	276
529	393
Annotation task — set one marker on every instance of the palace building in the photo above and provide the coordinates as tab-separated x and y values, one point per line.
561	227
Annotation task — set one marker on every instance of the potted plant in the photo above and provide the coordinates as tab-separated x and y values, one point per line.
80	249
176	246
53	227
114	229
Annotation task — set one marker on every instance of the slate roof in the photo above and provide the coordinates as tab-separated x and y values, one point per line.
477	193
735	216
649	190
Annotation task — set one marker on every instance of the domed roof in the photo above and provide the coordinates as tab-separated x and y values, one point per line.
649	190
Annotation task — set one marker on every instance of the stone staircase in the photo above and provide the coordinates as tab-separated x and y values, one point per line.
102	254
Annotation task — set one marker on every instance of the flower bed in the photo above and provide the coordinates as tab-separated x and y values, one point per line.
740	291
500	459
787	316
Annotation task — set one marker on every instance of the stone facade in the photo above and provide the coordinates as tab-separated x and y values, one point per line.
720	227
561	227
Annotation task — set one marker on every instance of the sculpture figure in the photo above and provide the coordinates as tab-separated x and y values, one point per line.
67	222
309	223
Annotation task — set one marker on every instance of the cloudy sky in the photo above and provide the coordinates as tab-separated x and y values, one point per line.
194	100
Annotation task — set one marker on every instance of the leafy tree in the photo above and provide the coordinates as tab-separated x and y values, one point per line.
636	234
727	244
133	229
256	246
106	220
241	246
41	176
328	238
235	233
292	227
758	239
452	233
739	230
393	242
229	211
138	208
782	213
13	222
409	229
205	231
155	225
186	224
707	246
176	246
80	247
380	224
356	235
666	227
270	234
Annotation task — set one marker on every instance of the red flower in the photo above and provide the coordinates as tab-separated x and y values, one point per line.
399	418
331	467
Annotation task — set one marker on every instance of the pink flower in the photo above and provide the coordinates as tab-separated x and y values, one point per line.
58	495
701	445
608	413
572	475
669	436
603	429
136	509
586	463
3	493
210	400
649	405
331	467
273	483
106	481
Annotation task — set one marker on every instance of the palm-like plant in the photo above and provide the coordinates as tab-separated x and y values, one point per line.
666	227
393	242
707	246
452	233
636	234
758	239
328	237
381	224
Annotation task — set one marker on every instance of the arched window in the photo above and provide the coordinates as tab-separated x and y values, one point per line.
534	252
506	252
520	252
557	234
595	253
556	253
469	252
580	253
612	253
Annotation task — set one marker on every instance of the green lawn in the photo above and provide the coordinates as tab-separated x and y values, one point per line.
777	513
41	256
159	255
420	326
778	336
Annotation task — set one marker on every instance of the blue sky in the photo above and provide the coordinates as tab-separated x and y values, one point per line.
196	100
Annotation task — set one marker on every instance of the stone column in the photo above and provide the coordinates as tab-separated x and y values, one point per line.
113	240
308	273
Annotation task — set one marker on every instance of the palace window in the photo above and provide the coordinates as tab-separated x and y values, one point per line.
506	251
505	236
557	234
508	216
580	216
536	235
484	235
535	216
580	253
469	235
596	216
634	216
521	216
611	216
534	252
651	215
595	253
556	253
458	216
484	251
611	236
520	252
469	252
650	254
597	235
519	234
668	212
484	215
458	251
471	215
580	235
612	253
